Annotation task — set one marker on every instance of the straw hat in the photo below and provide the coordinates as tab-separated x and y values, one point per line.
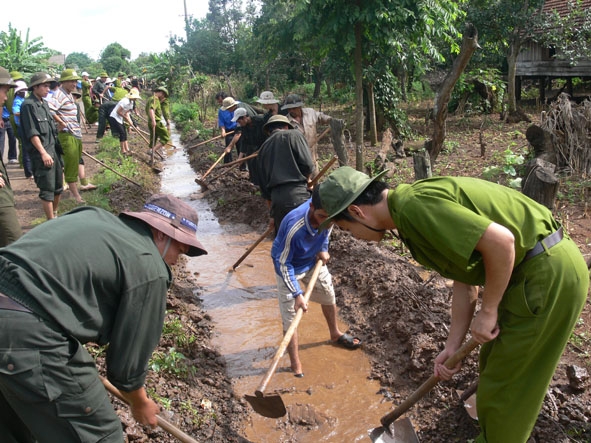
228	103
277	119
172	217
134	94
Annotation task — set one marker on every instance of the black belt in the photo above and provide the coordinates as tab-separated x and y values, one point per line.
549	241
9	304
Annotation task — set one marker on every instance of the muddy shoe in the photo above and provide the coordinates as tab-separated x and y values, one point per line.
88	187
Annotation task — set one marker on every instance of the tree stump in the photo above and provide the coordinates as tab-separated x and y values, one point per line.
422	164
540	183
541	141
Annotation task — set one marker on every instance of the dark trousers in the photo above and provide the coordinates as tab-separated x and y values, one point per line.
27	164
8	131
103	114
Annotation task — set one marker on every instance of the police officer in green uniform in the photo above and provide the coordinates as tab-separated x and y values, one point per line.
159	135
534	279
111	291
10	228
40	141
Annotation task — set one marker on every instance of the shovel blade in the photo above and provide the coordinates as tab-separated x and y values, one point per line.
270	406
401	431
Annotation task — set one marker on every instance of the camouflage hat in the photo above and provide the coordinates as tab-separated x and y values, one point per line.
39	78
162	89
6	79
69	75
16	75
292	101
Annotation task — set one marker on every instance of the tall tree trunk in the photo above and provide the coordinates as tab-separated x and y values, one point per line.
358	59
371	108
469	45
511	69
317	81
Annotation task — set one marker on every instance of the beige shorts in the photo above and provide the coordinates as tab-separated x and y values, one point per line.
322	293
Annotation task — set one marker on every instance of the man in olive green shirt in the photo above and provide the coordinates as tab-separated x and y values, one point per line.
112	291
534	279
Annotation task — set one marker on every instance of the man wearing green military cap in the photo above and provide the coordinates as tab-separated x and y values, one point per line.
159	135
40	139
478	233
10	228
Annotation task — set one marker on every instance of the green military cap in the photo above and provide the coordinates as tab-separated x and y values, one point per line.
161	89
6	79
341	188
103	74
39	78
16	75
69	74
121	74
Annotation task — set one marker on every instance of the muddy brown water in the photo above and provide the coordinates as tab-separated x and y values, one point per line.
335	401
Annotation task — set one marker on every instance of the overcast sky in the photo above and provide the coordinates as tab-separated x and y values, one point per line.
89	26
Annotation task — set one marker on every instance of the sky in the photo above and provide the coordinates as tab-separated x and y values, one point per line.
138	25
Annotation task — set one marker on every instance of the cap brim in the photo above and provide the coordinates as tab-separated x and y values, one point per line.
326	223
195	247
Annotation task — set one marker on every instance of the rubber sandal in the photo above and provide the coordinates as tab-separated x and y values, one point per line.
347	341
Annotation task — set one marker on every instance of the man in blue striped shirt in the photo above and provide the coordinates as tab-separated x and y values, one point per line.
297	247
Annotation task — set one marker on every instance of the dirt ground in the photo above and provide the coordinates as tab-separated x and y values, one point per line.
400	310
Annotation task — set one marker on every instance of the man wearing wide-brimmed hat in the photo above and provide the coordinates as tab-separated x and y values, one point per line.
40	139
10	228
270	103
284	166
111	292
65	113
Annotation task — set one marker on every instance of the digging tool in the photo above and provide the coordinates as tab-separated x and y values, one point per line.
149	145
272	406
201	181
217	137
327	166
254	245
399	432
162	422
231	165
111	169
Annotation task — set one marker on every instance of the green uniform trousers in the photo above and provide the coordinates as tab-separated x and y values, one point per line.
161	134
49	386
537	315
10	228
72	147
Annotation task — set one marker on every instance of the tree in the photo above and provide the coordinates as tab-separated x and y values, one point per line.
26	56
78	60
115	58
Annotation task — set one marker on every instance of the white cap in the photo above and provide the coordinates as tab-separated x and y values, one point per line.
85	74
240	112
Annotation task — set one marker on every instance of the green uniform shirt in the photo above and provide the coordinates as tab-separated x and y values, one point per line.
442	219
6	194
35	120
118	94
154	103
165	106
99	278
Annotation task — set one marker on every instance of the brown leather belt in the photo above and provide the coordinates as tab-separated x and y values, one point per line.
9	304
549	241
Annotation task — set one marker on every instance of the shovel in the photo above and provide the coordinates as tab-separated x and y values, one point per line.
251	248
272	406
217	137
201	181
402	431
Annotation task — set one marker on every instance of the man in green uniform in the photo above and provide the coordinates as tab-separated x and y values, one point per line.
90	111
112	291
534	279
159	135
40	141
10	228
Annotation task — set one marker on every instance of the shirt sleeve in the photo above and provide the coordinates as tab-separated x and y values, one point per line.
283	264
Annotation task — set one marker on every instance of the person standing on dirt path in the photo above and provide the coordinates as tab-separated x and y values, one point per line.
10	228
65	113
480	233
159	135
252	136
296	248
90	111
284	166
112	290
120	113
305	120
41	142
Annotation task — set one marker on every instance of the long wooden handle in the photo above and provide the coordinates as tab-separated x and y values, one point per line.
431	382
207	141
111	169
240	160
162	422
254	245
290	331
320	137
322	172
214	165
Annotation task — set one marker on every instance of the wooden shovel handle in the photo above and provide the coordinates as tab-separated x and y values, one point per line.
326	167
254	245
162	422
290	331
240	160
207	141
431	382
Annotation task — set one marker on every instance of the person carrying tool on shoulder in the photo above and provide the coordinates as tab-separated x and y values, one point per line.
109	289
534	279
296	248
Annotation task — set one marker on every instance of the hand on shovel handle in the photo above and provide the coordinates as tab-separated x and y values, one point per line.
431	382
162	422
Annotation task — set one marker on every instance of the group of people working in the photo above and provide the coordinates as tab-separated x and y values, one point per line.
520	284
